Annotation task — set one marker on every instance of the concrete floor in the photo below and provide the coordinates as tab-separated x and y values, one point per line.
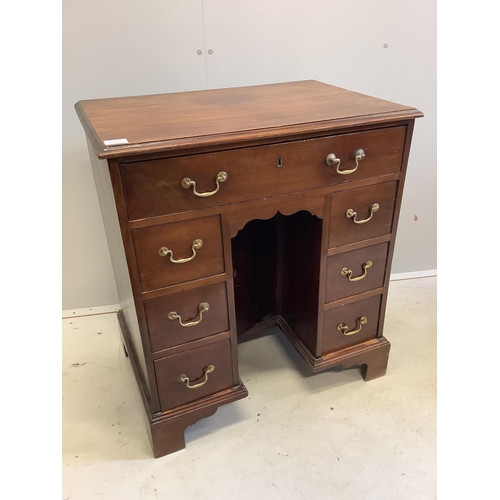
296	436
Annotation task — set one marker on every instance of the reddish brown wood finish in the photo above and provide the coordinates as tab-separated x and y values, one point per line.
349	315
399	199
339	285
287	204
242	213
358	244
372	356
300	249
154	187
193	363
156	271
344	230
273	236
167	430
165	332
193	344
121	269
219	117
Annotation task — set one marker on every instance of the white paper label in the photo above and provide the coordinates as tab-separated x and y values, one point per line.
115	142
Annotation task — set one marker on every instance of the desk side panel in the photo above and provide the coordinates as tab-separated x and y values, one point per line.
115	243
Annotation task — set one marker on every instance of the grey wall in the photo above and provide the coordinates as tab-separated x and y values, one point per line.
123	47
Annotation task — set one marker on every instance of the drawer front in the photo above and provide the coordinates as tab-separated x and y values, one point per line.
355	272
360	214
155	187
202	312
350	316
194	364
178	241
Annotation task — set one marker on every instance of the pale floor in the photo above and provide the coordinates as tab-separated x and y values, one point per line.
296	436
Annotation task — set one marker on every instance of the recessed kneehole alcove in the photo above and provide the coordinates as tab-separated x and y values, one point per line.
276	265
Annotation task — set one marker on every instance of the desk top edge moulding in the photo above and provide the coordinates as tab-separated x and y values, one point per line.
234	210
164	122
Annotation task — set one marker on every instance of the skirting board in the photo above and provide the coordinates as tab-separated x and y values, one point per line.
413	275
92	311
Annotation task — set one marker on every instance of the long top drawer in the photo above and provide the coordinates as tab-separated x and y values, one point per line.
179	184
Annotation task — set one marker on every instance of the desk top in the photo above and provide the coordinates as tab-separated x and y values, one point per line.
164	122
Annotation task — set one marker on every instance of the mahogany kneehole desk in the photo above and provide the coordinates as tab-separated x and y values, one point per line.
235	209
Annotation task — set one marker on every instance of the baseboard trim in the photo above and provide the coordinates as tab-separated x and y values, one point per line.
90	311
413	275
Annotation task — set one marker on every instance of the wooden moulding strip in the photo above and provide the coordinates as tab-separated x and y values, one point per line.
218	399
171	351
182	287
243	137
354	298
350	356
359	244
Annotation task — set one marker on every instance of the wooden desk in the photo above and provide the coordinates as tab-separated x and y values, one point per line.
243	208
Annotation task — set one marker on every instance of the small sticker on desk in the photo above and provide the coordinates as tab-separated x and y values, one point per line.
115	142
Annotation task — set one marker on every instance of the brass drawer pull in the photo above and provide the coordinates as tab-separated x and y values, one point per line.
351	214
332	160
186	183
347	272
202	308
182	378
345	329
164	251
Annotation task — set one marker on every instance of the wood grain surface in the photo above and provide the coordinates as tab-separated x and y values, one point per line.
154	187
334	339
189	119
193	363
157	272
339	285
344	230
165	333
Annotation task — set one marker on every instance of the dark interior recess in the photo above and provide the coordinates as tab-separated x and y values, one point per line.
276	272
